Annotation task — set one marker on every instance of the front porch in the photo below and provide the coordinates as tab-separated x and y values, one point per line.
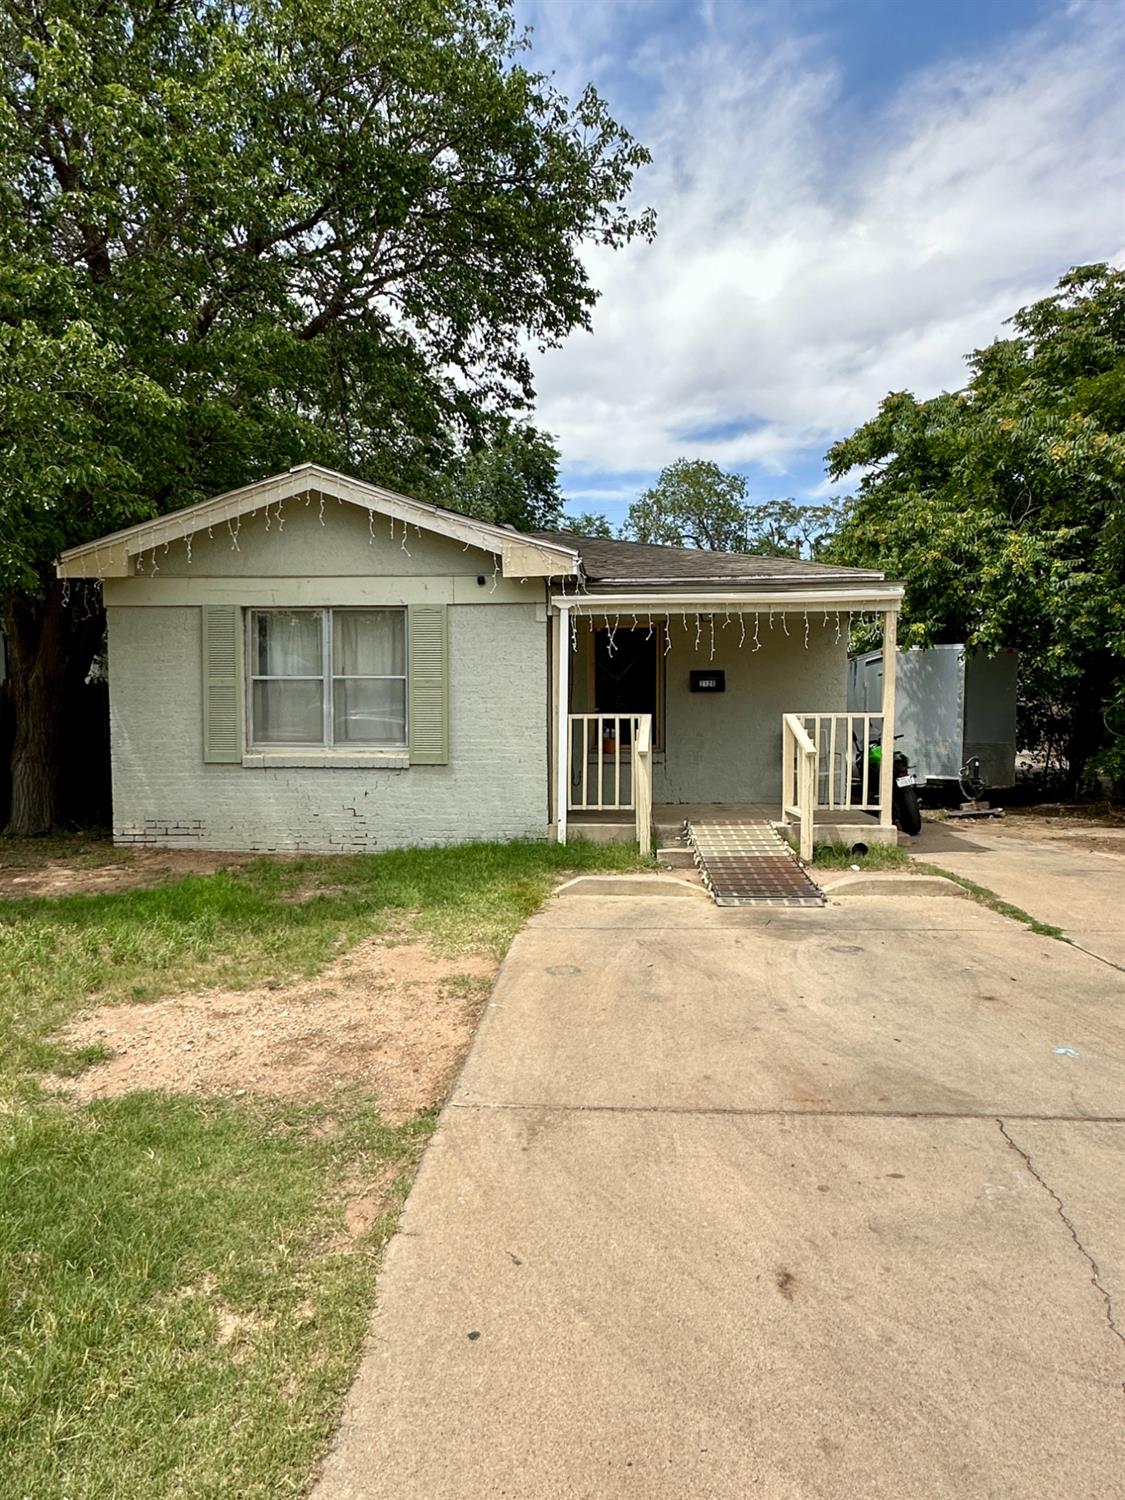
830	825
678	708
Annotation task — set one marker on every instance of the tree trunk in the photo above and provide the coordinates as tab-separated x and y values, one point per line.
49	651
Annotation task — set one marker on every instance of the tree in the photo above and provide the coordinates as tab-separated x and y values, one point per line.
513	480
589	523
1002	506
784	528
693	504
235	237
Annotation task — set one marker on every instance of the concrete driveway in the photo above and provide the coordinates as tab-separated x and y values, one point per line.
733	1204
1058	879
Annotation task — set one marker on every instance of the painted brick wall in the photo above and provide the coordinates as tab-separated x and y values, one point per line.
495	785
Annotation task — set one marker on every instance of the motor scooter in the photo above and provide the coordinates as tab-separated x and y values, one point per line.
905	809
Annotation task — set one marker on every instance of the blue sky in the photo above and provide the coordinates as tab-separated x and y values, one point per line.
851	195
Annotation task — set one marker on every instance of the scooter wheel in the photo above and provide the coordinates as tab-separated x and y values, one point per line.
908	815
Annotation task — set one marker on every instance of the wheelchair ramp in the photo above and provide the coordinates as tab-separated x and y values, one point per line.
748	863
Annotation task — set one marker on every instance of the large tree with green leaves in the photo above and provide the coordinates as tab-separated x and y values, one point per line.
695	503
234	236
512	480
1002	506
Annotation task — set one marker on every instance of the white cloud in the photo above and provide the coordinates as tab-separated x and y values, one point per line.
809	257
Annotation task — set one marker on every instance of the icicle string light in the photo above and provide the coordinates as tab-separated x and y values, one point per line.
741	630
667	634
757	642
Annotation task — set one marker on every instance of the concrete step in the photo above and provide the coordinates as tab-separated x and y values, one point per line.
676	856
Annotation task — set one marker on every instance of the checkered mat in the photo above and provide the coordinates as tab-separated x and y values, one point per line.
750	864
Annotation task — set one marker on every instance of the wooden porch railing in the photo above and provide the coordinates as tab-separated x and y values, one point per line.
609	767
826	765
798	779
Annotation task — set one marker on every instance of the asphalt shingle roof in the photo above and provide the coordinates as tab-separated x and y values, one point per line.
605	560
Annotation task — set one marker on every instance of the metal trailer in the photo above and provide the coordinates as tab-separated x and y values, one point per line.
952	706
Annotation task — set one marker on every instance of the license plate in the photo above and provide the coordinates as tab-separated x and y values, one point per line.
906	780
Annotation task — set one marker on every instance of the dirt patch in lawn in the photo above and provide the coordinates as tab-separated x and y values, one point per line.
395	1018
104	868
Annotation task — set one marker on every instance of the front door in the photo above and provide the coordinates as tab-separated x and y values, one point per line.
627	676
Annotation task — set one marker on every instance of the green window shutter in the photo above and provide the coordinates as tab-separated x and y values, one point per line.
222	689
429	685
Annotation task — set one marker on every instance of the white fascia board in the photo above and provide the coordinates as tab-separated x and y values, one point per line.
863	596
110	556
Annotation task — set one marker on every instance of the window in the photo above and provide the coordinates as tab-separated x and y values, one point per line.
328	677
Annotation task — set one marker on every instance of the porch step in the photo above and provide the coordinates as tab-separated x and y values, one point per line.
748	863
676	856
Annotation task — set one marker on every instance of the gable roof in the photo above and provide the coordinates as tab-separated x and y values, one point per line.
608	564
520	555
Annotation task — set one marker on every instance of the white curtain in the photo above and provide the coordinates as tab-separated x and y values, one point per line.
288	644
369	643
369	671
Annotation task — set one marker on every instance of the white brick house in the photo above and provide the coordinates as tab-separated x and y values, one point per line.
312	662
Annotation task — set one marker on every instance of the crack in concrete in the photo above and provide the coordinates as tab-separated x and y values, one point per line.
749	1112
1095	1270
1089	952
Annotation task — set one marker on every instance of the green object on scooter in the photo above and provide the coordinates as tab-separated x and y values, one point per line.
876	753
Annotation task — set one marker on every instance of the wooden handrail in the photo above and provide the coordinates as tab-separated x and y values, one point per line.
800	768
800	733
642	780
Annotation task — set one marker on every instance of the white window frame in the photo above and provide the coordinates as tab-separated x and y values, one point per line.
327	677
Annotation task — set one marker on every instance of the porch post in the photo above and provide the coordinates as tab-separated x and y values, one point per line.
887	759
562	723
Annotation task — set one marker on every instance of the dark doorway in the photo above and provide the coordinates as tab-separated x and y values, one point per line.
626	675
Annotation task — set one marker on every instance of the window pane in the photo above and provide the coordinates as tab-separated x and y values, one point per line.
287	643
369	643
369	712
288	713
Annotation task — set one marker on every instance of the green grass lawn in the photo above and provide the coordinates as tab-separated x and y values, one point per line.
180	1310
877	857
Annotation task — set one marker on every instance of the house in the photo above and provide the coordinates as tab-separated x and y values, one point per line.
312	662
